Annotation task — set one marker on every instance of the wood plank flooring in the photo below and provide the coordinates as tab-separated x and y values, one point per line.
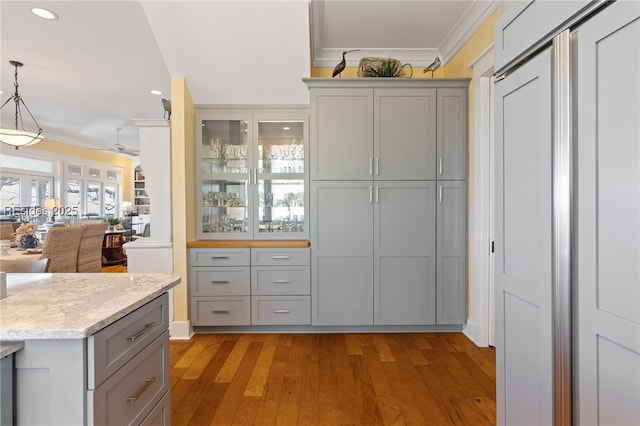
332	379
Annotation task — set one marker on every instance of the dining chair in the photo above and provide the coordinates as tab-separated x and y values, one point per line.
6	231
61	246
90	250
24	266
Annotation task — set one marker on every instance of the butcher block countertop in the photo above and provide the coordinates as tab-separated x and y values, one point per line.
74	306
249	244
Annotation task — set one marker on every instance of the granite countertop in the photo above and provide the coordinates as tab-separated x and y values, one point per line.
73	306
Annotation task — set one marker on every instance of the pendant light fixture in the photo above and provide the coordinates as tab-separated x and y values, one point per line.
19	136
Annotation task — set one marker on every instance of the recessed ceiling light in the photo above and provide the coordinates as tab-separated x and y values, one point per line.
44	13
156	92
286	128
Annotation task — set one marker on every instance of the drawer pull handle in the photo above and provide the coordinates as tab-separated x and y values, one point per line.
281	281
147	384
220	257
281	257
220	282
146	328
282	311
221	311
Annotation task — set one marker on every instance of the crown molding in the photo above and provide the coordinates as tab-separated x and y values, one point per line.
473	18
468	24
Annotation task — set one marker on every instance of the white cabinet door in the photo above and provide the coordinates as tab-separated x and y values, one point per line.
342	253
404	253
524	355
452	134
524	23
341	134
451	247
405	134
608	212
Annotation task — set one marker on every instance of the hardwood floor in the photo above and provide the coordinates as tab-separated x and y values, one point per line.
332	379
115	268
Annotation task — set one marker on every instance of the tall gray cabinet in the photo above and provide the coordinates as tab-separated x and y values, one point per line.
388	201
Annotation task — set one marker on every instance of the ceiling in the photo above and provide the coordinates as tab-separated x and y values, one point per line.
91	70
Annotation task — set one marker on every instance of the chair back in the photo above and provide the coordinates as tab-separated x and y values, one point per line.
90	251
6	231
61	246
24	266
82	222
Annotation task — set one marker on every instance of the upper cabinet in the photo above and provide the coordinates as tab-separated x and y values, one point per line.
251	173
388	129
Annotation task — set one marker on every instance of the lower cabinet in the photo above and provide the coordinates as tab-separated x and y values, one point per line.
118	376
249	286
388	253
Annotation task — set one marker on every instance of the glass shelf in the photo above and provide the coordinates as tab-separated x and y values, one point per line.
251	173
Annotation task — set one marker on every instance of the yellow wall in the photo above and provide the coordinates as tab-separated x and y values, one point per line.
182	189
103	157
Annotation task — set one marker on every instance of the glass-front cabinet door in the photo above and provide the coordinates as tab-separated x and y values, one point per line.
251	180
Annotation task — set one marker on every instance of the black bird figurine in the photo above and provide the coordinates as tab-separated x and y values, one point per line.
343	64
433	66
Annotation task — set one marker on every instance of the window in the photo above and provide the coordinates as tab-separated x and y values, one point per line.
23	195
93	191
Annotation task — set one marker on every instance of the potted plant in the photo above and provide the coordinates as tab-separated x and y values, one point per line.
113	222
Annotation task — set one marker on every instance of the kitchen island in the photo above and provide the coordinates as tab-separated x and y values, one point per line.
95	347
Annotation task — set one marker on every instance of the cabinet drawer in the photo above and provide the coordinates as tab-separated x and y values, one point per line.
220	281
270	280
113	346
221	310
278	256
161	414
220	257
131	393
281	310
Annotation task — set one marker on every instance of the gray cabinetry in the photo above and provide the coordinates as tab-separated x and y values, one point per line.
373	227
404	253
342	253
404	137
256	286
120	375
251	168
347	150
451	252
452	134
220	286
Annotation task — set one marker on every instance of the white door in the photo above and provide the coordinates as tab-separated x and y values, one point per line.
608	216
523	246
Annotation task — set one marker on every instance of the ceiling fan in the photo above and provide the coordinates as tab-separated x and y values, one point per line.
118	148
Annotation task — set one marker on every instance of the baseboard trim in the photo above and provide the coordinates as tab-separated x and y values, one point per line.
180	330
476	333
